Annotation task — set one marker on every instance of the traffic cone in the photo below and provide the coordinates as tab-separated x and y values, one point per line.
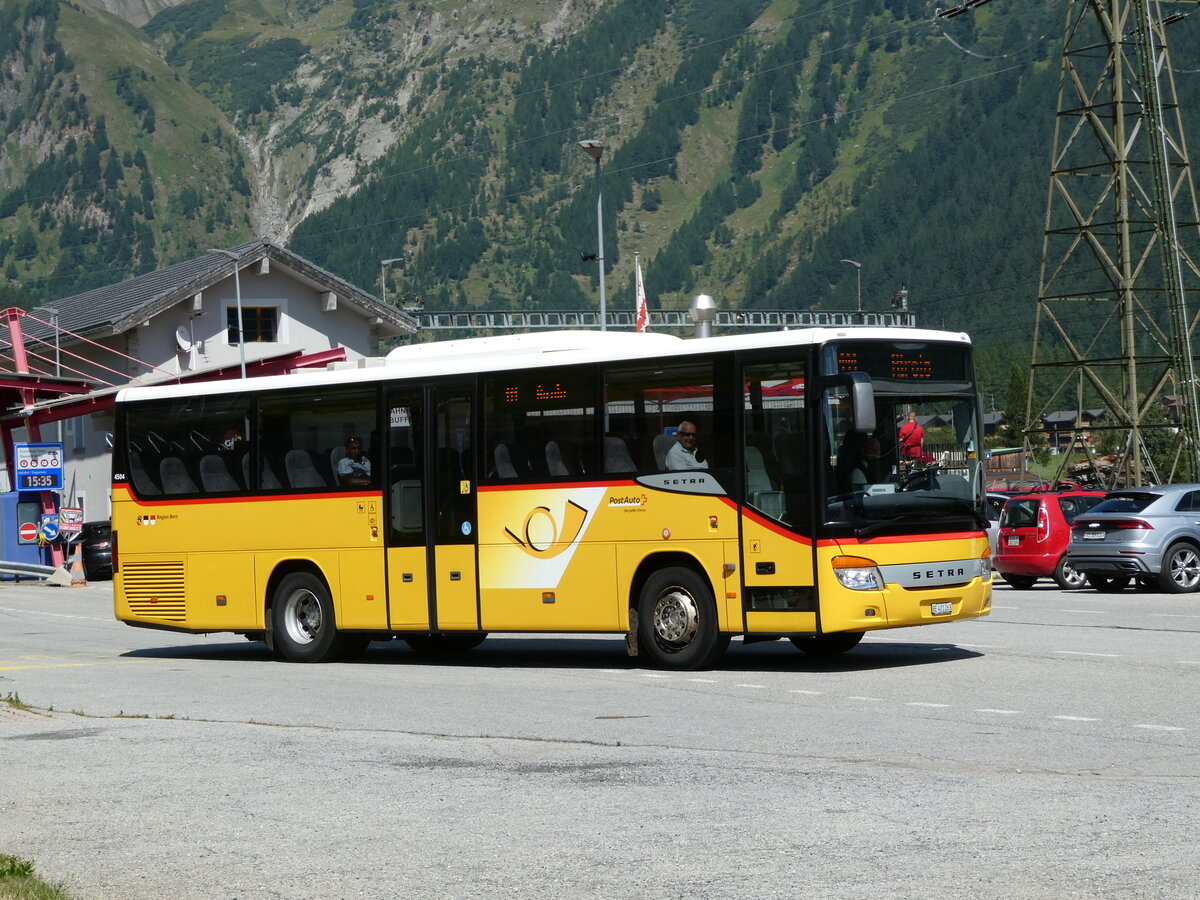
78	578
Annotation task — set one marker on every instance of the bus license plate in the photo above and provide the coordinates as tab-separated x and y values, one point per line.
941	609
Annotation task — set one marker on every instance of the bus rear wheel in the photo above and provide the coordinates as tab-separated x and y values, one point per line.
677	620
304	629
828	644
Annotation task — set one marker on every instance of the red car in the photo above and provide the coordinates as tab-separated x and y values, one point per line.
1034	532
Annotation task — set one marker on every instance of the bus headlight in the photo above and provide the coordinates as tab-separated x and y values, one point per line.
857	573
985	565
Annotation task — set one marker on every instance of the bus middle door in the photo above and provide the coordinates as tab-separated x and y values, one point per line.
432	535
452	516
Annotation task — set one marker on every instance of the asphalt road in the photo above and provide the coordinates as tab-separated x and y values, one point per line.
1048	750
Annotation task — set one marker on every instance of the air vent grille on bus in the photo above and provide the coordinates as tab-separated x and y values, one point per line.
155	590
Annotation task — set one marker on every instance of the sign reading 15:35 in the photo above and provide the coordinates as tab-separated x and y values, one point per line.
39	466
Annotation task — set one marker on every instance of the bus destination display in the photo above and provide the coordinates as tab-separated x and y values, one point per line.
897	363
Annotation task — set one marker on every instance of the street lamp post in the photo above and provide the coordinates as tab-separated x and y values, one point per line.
858	272
383	264
595	149
237	286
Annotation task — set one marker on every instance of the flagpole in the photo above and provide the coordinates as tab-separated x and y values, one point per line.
643	313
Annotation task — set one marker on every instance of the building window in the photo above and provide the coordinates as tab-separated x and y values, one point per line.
261	324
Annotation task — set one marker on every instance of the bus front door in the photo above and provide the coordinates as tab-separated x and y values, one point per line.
431	491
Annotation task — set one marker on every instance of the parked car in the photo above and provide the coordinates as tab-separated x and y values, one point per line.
95	541
1149	534
1035	531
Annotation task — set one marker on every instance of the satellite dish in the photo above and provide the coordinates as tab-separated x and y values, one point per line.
183	337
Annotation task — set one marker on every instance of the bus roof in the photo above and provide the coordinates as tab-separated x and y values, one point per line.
534	350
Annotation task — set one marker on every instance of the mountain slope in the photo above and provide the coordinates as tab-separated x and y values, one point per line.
751	146
109	164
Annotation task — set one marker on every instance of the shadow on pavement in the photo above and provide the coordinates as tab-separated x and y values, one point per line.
516	651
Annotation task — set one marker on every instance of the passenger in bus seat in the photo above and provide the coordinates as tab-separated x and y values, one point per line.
686	454
354	469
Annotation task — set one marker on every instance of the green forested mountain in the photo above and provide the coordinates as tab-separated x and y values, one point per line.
750	147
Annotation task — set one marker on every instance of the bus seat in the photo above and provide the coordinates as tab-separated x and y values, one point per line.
267	480
336	455
214	475
301	473
174	476
142	482
662	446
616	455
504	464
555	464
760	492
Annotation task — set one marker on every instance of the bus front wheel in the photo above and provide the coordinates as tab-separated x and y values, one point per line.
302	617
677	620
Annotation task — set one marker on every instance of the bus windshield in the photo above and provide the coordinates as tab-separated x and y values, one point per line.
920	469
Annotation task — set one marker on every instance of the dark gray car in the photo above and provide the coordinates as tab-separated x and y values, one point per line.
1150	534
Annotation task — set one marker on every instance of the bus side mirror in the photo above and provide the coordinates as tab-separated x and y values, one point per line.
862	397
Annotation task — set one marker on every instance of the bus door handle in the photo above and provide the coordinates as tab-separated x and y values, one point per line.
456	576
764	568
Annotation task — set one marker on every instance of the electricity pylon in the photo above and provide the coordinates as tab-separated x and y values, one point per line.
1117	301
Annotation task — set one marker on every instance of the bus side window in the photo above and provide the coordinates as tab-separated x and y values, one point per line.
538	423
643	403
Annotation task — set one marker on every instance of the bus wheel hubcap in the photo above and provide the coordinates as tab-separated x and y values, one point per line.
676	617
304	617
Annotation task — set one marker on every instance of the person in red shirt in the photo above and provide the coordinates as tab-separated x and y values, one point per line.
912	436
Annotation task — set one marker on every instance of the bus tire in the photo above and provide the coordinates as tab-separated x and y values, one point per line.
677	620
433	644
827	644
302	615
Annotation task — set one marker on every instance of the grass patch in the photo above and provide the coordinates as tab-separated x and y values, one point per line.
19	881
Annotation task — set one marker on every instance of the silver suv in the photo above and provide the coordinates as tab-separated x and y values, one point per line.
1151	534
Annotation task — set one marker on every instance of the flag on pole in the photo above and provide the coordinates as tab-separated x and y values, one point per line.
643	314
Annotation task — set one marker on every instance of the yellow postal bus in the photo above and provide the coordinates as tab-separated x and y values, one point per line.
678	492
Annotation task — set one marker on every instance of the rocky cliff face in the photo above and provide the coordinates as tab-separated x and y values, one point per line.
135	12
